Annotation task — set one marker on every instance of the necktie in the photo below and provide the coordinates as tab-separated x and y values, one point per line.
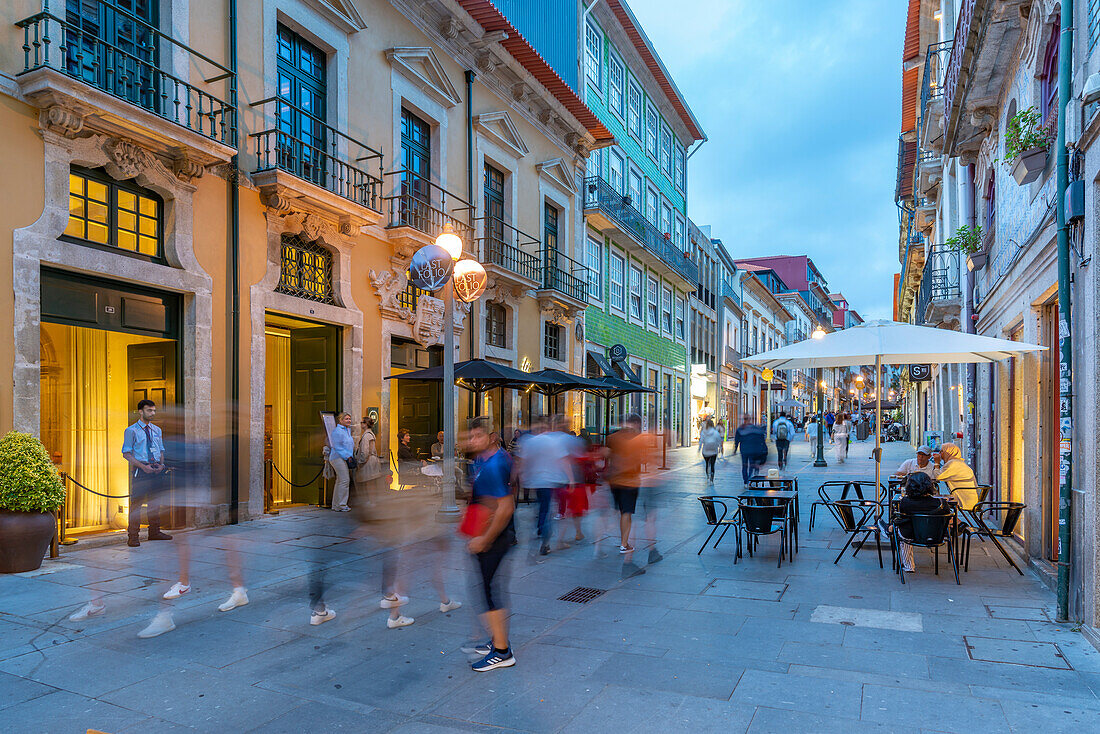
148	444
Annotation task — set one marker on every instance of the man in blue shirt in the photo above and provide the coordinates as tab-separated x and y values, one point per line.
490	477
143	447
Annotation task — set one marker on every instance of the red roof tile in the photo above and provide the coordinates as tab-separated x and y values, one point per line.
491	19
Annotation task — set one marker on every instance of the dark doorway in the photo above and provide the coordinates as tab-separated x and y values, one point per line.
419	407
315	387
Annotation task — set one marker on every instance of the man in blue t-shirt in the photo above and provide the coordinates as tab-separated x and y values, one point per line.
490	486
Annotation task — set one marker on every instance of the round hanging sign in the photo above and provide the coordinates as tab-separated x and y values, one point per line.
470	280
430	267
767	373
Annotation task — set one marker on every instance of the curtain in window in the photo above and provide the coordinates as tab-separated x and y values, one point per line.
88	429
278	401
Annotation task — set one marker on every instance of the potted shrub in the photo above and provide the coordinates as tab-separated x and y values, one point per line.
30	493
1026	145
969	242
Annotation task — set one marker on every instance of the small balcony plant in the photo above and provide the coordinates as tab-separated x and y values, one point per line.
969	242
1027	142
30	492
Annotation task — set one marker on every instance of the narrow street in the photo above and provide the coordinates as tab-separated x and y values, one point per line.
696	643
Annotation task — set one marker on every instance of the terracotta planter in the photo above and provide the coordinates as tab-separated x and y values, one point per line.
976	260
1029	165
24	538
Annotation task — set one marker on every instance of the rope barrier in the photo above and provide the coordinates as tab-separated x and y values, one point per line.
292	484
98	494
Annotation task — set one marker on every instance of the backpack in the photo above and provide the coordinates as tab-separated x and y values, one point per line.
781	431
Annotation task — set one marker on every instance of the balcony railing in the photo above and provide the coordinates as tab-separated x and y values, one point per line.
730	292
503	245
319	154
563	274
426	207
936	59
940	280
954	65
136	74
599	194
733	357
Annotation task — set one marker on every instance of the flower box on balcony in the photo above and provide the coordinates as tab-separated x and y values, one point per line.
976	260
1029	165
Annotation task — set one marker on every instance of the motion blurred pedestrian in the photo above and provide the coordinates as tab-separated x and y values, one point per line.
710	447
751	441
491	496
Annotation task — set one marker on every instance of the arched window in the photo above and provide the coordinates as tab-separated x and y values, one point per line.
1048	79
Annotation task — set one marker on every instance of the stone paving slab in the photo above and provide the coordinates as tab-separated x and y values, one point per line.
697	643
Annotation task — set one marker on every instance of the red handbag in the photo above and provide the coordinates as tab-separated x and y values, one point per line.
475	521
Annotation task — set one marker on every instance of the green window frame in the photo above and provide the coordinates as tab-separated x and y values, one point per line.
114	215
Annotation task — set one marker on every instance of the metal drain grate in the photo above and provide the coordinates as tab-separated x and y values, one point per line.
581	595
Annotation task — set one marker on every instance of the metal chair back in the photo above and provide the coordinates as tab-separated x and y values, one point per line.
759	519
1010	514
928	530
711	507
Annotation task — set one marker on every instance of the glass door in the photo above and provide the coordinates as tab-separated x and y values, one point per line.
301	107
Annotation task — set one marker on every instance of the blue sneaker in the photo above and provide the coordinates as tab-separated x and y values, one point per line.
494	660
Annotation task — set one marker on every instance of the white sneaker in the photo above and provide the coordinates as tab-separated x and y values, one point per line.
238	598
450	606
396	601
317	618
177	591
161	623
90	609
399	622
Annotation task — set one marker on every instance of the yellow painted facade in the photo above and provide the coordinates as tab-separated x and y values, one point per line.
308	184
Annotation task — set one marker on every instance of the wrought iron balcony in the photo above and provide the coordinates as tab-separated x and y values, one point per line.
503	245
300	144
733	357
936	59
563	274
599	194
940	280
426	207
730	292
143	67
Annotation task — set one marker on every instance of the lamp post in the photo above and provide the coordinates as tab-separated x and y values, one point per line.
819	333
432	270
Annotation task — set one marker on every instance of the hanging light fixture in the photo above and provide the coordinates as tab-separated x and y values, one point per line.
469	280
819	333
450	241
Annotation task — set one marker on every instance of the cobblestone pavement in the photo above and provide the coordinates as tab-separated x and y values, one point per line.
696	644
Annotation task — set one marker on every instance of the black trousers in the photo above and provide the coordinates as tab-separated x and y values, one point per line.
782	446
488	563
145	489
710	465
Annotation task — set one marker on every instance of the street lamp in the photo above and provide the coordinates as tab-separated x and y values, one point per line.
432	270
819	333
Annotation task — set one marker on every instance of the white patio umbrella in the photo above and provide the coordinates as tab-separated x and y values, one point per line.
889	342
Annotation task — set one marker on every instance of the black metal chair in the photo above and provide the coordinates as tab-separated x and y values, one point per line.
825	500
861	486
717	513
929	531
858	518
758	520
1011	512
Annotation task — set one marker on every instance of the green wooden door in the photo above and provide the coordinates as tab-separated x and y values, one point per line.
315	387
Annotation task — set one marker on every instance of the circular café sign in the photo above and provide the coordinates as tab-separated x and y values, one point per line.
470	280
767	374
617	352
430	267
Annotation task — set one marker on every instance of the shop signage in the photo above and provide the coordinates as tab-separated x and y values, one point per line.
470	280
430	267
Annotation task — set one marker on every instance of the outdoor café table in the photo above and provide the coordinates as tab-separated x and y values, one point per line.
759	496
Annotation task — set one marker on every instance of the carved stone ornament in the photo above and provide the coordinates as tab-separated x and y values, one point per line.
127	159
63	120
428	327
521	92
449	27
186	169
555	312
278	203
388	284
485	62
501	291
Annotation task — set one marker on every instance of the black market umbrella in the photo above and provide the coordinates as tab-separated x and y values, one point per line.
477	376
613	387
790	403
559	382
